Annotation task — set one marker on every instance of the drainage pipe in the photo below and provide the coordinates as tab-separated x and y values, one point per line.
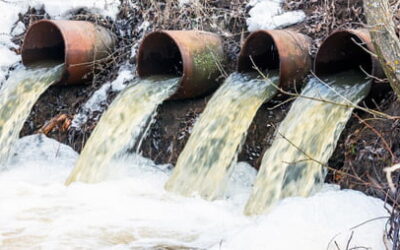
197	56
347	49
285	50
76	43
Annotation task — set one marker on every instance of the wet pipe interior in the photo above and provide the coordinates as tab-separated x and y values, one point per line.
199	58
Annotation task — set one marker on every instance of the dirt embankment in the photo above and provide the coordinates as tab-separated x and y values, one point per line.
368	144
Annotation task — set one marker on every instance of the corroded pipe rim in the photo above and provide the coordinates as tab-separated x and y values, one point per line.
78	44
292	49
30	30
364	40
183	54
240	66
189	54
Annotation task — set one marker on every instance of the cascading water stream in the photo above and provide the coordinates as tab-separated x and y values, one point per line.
216	138
121	126
17	97
306	139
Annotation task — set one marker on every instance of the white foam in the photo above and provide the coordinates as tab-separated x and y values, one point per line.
131	209
323	221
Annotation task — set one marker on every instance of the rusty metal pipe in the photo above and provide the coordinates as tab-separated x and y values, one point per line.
285	50
76	43
347	49
195	55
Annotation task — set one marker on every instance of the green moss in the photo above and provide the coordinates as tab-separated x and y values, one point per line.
205	61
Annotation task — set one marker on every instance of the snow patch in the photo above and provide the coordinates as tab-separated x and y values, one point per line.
7	59
184	2
19	29
268	14
59	9
97	102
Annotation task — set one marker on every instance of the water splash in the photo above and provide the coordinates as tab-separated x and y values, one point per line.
217	136
132	210
306	139
121	126
17	97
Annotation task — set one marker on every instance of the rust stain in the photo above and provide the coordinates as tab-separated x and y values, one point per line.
345	49
79	44
285	50
195	55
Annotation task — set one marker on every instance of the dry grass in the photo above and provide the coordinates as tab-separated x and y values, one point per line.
325	16
226	18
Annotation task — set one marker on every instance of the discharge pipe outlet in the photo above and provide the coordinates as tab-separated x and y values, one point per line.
79	44
197	56
347	49
285	50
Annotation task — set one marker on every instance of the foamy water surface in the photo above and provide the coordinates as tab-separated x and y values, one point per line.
132	210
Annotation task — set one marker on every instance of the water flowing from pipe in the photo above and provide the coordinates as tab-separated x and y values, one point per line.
17	97
121	126
202	168
306	139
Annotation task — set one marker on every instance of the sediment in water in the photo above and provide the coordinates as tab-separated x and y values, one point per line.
122	126
306	139
17	97
217	136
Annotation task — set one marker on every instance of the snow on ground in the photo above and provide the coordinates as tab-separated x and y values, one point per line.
97	102
183	2
268	14
132	210
57	9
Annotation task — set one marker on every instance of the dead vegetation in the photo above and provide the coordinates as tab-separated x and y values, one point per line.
136	18
227	18
368	146
325	16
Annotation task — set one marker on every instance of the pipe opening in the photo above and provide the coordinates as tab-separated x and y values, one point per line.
260	47
160	55
43	42
343	51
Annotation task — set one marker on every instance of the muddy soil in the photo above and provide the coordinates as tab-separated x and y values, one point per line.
175	119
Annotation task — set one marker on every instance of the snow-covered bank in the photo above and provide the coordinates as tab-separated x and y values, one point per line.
131	209
56	9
